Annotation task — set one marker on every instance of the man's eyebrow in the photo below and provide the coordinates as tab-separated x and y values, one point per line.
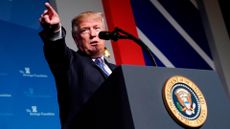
84	27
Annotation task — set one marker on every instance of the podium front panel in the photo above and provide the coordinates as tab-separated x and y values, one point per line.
144	89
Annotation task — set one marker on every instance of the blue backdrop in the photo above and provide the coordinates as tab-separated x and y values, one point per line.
27	89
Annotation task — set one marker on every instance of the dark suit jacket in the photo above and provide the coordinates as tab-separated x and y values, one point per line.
77	78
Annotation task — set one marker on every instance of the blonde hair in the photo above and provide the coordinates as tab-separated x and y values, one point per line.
76	20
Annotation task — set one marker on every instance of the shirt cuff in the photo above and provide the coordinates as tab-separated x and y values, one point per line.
56	35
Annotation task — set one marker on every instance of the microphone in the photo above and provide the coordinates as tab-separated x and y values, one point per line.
105	35
114	35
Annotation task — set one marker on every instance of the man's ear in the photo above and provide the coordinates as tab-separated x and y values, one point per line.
74	38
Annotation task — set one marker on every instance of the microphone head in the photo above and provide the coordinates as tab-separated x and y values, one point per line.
104	35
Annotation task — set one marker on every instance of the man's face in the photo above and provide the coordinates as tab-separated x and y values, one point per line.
87	36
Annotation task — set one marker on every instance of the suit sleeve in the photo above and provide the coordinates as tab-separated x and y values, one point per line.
57	54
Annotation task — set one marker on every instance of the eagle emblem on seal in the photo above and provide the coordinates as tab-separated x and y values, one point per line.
185	101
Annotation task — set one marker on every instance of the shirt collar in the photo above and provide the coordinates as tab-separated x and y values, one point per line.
102	57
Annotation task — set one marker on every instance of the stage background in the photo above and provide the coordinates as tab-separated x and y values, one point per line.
174	30
180	33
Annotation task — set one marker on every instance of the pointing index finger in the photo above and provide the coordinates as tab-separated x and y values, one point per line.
49	7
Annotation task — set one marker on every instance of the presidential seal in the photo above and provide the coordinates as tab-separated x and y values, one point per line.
185	102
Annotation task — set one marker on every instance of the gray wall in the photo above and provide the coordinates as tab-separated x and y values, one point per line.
218	38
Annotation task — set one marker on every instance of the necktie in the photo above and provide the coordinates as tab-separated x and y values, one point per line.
100	63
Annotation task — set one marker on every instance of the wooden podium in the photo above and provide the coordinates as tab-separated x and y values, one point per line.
131	98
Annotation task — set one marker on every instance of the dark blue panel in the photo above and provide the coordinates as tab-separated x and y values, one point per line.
188	16
165	37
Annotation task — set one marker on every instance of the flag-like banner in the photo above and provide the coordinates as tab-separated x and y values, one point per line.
174	31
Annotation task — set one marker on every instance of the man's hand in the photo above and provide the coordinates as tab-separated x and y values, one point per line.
50	19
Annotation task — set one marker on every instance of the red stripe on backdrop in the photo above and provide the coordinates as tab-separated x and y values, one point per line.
119	13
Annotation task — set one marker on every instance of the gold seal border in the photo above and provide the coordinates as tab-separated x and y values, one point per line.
168	101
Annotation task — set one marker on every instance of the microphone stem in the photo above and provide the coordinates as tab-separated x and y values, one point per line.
140	43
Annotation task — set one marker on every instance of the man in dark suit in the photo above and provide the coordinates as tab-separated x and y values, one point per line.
77	74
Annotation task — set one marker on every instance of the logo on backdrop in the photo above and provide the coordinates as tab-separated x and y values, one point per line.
5	95
33	111
33	93
26	72
184	101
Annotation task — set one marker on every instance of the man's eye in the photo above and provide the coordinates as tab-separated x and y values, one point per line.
97	28
84	30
